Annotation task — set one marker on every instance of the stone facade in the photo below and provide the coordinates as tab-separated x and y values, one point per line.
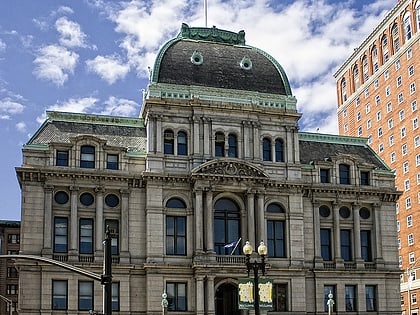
205	166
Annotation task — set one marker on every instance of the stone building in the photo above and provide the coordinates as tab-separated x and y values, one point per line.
214	158
377	99
9	277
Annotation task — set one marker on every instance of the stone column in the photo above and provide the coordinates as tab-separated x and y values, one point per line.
245	139
158	132
319	263
256	142
210	295
99	222
48	198
261	233
251	217
150	124
74	190
125	231
209	221
378	235
207	146
199	285
357	244
198	215
337	242
196	135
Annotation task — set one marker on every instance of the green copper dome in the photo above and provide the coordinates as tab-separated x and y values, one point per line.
210	57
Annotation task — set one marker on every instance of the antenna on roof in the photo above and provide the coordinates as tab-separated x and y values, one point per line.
205	13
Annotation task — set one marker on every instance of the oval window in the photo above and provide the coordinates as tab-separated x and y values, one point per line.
112	200
61	197
344	212
324	211
86	199
364	213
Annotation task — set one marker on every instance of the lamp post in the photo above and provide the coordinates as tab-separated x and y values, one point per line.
255	267
164	302
330	303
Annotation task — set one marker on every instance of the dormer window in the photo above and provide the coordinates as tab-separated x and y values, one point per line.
87	156
62	158
344	174
112	161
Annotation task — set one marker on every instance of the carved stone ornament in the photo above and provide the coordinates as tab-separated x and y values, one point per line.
229	168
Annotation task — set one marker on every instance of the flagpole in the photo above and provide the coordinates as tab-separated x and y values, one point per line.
205	13
237	243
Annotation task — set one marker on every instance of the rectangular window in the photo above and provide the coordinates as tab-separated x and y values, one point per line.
324	175
408	203
87	156
366	246
112	161
403	132
416	141
327	290
389	107
410	239
86	236
12	272
411	258
12	289
412	88
59	294
344	174
85	295
280	297
350	291
370	298
391	140
62	158
275	238
409	221
364	178
177	296
176	235
13	238
326	244
115	296
60	235
414	298
115	235
345	239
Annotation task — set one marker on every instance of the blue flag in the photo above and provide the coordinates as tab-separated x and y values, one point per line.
231	244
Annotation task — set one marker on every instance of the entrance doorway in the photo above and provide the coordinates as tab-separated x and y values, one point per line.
227	300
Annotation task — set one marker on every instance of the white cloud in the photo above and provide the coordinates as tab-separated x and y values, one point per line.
109	68
21	126
9	107
2	45
54	63
75	105
70	33
121	107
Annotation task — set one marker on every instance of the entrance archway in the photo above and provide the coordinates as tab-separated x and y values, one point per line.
227	300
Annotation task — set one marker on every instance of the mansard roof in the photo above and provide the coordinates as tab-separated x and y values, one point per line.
210	57
316	147
116	131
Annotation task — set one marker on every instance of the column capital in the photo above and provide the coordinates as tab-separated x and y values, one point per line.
74	188
99	189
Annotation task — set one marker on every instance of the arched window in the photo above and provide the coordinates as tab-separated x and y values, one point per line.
168	141
182	146
87	156
233	146
407	27
343	90
266	149
418	15
375	63
344	170
219	144
395	38
356	77
279	150
227	224
365	68
385	54
275	208
175	203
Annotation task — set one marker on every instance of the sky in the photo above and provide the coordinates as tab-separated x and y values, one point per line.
92	56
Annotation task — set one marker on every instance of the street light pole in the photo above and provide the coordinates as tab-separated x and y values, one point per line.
255	267
106	278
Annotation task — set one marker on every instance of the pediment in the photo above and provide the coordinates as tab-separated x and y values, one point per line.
229	167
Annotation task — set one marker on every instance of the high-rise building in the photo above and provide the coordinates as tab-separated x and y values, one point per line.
377	99
214	160
9	277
